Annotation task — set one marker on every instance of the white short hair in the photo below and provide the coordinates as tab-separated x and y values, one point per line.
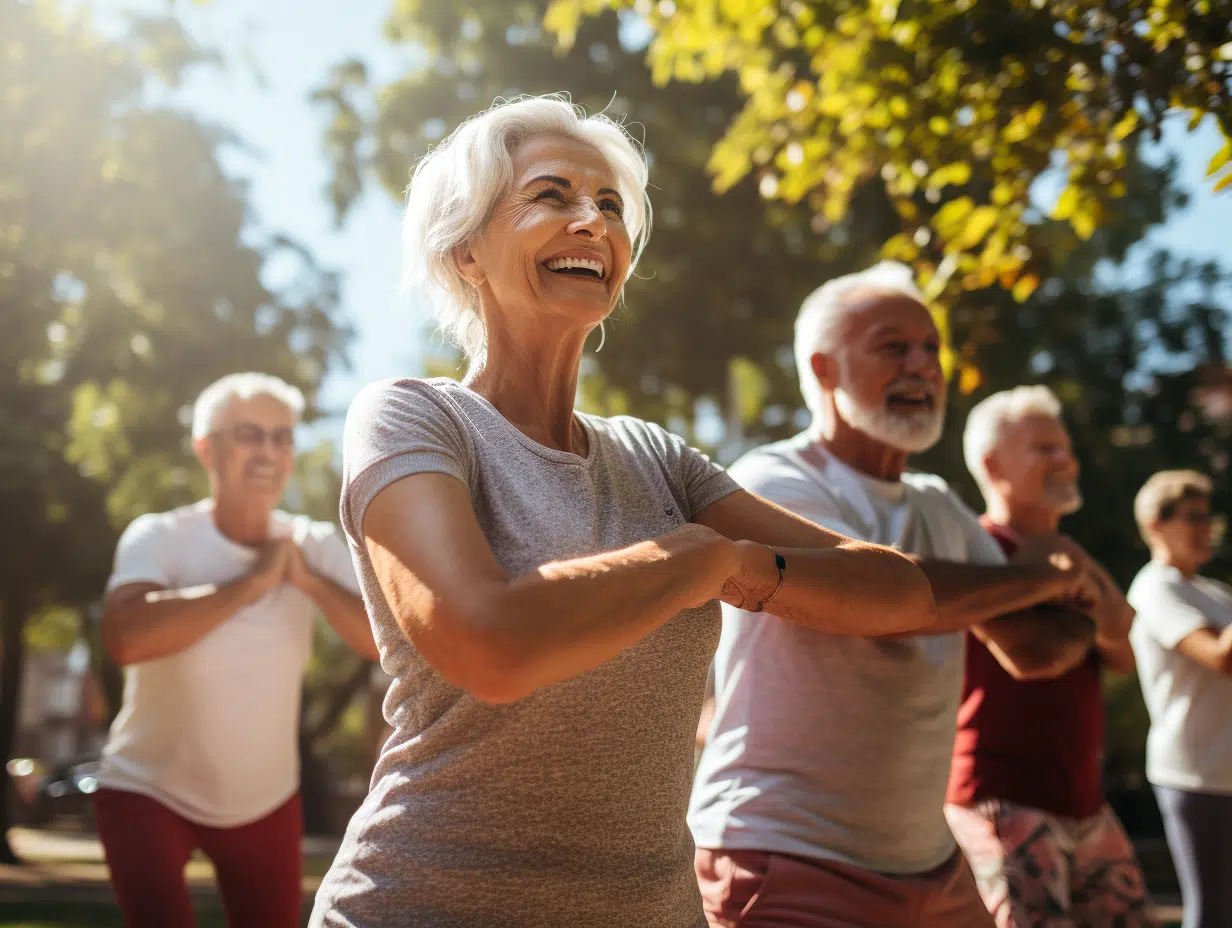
215	398
457	185
821	315
987	421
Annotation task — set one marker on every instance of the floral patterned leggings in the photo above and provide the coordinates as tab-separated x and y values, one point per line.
1038	870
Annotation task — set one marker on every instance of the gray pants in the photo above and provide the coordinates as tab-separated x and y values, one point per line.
1199	830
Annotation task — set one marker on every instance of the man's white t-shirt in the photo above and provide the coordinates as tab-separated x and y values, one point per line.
211	732
1190	743
837	747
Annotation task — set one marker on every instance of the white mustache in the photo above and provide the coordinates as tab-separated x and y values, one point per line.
927	387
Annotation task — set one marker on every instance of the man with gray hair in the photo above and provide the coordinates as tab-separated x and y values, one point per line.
210	610
818	798
1025	799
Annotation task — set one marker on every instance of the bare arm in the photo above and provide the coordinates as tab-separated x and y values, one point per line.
1040	643
971	594
143	622
1211	649
1014	610
1113	619
500	637
832	583
342	609
1113	615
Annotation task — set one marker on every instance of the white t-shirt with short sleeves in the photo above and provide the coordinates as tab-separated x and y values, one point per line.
211	732
837	747
1190	743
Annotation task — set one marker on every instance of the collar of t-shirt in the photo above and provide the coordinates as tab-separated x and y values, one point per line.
279	527
1009	540
881	504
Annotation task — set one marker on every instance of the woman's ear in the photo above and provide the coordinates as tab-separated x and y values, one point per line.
468	265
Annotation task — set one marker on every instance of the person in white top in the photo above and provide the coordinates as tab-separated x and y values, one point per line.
818	798
210	609
1182	639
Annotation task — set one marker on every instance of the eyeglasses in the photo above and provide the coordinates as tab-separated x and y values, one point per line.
1193	518
251	435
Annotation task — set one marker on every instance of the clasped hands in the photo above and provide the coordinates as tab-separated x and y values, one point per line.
1082	583
281	561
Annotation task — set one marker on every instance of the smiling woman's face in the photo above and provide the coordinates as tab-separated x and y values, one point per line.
557	242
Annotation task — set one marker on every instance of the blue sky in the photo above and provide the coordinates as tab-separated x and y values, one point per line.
279	50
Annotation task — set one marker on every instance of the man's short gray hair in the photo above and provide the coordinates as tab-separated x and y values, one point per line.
215	398
819	322
457	185
987	421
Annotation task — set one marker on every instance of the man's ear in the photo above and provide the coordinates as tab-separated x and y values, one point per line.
468	265
825	369
203	448
992	467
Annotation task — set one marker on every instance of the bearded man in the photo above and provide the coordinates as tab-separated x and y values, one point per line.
819	796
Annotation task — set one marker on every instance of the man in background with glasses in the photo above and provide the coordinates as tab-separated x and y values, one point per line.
210	609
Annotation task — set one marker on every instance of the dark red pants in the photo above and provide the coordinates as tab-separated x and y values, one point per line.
147	846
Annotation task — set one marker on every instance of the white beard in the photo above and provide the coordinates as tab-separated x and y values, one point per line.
910	432
1066	499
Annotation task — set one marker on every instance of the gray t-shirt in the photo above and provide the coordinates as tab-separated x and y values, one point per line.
836	747
566	808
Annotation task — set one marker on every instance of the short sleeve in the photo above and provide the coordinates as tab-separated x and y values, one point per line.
1168	609
696	480
143	554
327	554
394	429
769	478
981	548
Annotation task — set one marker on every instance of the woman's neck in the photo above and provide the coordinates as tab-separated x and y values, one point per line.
533	384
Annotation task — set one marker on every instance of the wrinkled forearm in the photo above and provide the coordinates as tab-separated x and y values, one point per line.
1038	643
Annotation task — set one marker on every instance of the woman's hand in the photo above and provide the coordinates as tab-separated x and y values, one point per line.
725	554
755	579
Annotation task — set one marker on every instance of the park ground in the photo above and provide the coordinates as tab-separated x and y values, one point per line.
64	883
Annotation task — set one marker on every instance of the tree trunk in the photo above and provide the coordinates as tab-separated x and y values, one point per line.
13	614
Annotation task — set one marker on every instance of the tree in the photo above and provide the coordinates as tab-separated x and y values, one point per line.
129	279
957	107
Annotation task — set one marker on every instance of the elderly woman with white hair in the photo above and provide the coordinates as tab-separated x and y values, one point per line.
543	584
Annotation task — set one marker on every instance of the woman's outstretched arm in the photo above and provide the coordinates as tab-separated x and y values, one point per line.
500	637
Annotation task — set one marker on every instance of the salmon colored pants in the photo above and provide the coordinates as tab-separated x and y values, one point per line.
754	889
147	846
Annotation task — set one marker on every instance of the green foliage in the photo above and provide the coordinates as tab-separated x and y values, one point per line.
962	104
127	283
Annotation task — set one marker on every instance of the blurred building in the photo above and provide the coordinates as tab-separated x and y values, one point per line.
61	716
